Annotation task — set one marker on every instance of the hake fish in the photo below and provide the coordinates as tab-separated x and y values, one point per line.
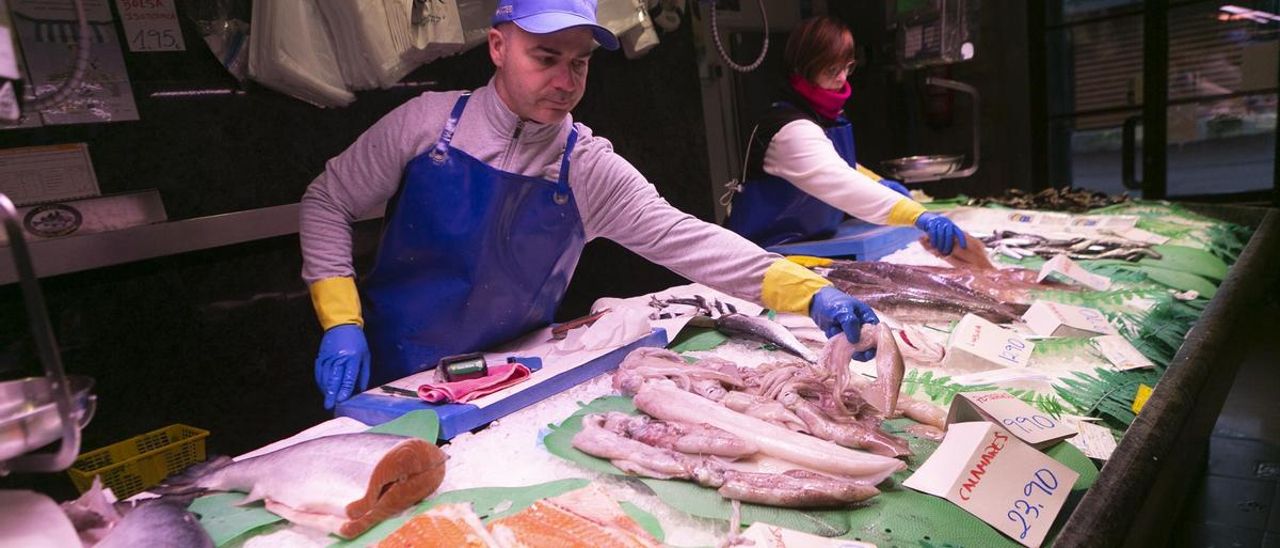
161	522
342	484
760	328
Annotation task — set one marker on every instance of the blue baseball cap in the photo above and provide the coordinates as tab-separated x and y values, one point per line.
547	16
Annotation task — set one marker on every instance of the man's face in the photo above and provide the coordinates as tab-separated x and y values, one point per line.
540	77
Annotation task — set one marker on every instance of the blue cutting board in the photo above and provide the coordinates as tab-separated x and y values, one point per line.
456	418
854	239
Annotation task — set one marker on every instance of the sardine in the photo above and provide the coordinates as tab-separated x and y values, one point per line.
342	484
765	330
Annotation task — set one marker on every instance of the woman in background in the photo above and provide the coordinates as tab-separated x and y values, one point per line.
802	174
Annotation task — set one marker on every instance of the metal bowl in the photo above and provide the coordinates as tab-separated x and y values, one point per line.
914	168
29	415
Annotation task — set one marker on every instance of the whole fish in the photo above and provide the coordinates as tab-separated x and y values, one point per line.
342	484
161	523
760	328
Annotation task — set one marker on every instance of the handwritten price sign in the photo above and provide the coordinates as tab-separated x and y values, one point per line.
1020	419
979	345
1026	511
1063	320
151	25
988	472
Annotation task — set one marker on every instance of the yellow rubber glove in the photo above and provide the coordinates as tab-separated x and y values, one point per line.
809	261
336	302
789	287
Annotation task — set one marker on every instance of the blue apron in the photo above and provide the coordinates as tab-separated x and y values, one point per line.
470	257
770	210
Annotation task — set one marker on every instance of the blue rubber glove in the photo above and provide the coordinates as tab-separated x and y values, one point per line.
943	233
343	363
834	311
896	187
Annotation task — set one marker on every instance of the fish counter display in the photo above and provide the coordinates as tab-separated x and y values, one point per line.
769	422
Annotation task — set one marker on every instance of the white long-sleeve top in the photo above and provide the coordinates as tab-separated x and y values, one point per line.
802	154
614	199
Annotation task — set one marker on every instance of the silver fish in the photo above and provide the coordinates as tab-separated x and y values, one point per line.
765	330
342	484
161	523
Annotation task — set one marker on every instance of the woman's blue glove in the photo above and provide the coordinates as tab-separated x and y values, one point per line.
834	311
942	232
896	187
343	363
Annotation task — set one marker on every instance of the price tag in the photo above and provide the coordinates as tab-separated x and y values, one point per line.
150	25
1067	267
765	535
1140	399
1094	441
1140	235
1121	353
1051	319
986	471
979	345
1027	423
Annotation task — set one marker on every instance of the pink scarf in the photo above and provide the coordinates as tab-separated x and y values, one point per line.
825	102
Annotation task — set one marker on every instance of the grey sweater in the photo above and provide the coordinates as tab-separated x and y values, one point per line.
614	199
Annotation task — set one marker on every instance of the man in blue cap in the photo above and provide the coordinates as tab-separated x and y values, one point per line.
491	196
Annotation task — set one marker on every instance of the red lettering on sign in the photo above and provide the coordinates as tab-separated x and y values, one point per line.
988	456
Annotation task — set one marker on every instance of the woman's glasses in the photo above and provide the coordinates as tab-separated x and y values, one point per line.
846	69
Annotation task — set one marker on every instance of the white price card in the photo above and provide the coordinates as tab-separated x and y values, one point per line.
979	345
151	25
1027	423
1049	319
1067	267
986	471
1121	353
765	535
1094	441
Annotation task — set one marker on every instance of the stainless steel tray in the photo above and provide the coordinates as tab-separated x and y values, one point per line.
913	168
29	413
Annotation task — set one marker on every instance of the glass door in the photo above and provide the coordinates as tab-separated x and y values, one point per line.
1162	99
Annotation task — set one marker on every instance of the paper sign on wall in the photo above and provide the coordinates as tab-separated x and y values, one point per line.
1067	267
150	25
979	345
983	469
1027	423
1121	353
1051	319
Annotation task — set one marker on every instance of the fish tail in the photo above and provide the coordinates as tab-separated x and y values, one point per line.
185	482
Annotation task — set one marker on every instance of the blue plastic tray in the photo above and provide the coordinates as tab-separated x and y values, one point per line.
456	418
854	239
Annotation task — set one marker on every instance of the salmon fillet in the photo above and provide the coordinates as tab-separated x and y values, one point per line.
453	525
549	526
595	505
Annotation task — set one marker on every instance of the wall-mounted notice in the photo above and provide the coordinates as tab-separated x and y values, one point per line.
150	25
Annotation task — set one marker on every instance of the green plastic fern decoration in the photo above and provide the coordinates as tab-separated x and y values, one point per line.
1108	394
941	389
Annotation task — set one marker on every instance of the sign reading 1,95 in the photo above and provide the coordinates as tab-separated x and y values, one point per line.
151	25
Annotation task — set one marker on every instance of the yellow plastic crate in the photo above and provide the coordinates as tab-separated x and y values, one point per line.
131	466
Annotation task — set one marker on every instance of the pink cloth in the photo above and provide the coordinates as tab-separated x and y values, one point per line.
825	102
499	377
